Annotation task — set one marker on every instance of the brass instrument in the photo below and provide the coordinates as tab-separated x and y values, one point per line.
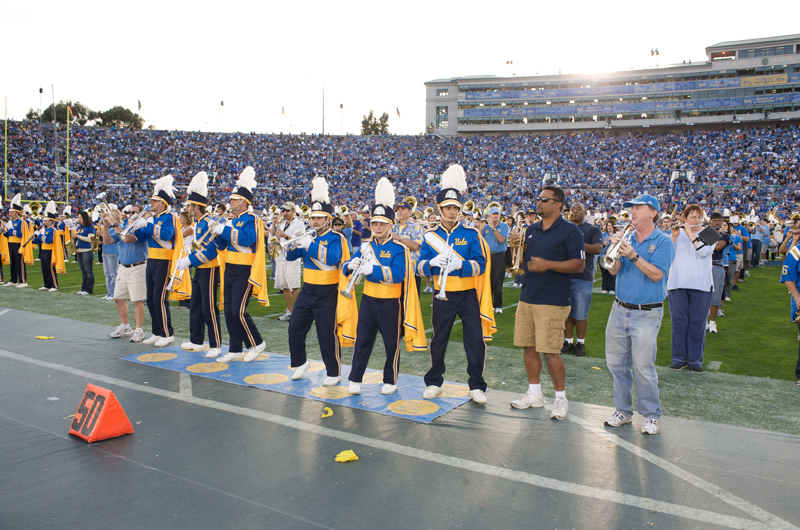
611	257
305	210
290	244
493	204
273	209
354	277
442	294
133	220
95	242
468	207
428	211
36	208
177	273
274	246
518	250
202	242
341	210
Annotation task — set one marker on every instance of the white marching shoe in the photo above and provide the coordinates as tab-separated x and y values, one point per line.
190	346
21	285
151	339
431	392
300	370
255	351
213	353
388	389
331	381
230	356
478	396
164	341
354	388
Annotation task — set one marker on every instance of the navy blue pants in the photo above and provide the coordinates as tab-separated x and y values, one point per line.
17	265
688	309
497	277
156	280
317	304
377	314
204	307
241	328
48	270
463	304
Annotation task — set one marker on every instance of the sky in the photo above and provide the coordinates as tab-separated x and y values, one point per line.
269	62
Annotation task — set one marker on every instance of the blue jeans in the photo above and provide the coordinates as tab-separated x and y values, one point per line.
755	260
110	264
631	351
581	299
85	260
688	309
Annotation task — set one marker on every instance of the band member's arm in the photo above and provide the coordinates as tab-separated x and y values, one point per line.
243	237
347	270
499	232
661	258
425	255
205	254
48	235
393	273
330	254
476	264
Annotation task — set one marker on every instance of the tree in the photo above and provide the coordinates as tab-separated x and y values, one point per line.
32	115
80	113
372	126
122	118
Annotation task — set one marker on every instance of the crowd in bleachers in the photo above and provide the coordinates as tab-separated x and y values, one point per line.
744	169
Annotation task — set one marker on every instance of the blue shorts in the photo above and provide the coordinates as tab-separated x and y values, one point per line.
581	299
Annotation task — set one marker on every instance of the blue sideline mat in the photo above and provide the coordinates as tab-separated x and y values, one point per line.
271	371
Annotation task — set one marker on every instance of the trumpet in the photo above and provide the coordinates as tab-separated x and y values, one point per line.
442	294
354	277
132	220
176	274
274	247
611	258
197	244
290	244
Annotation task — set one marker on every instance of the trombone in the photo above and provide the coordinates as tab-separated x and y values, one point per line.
355	278
197	244
290	244
176	274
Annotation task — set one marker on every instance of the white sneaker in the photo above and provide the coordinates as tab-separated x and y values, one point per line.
528	400
712	327
286	316
213	353
727	298
151	339
650	426
255	351
603	292
499	309
21	285
720	313
331	381
560	409
610	292
300	370
230	356
122	329
82	293
388	389
138	335
53	289
431	392
164	341
189	346
746	274
42	288
618	419
354	388
478	396
9	284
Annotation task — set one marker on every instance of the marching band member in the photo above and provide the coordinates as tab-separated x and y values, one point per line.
4	258
245	270
390	292
52	256
17	233
163	236
204	304
318	299
468	293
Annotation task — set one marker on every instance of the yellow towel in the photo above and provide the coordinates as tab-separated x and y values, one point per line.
27	252
182	286
258	271
346	308
4	258
412	321
484	290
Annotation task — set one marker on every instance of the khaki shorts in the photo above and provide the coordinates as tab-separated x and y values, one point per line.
130	283
287	274
540	326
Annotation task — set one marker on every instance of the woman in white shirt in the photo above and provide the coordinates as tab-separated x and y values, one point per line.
689	287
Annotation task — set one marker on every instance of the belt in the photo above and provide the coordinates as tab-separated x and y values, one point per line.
640	307
134	264
501	252
718	263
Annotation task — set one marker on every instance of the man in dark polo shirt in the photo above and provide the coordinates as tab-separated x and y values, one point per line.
582	283
553	253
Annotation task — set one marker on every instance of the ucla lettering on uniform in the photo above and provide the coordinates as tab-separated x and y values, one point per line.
460	241
386	254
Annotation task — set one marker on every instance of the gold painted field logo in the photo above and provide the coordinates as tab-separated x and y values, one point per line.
206	368
330	392
454	391
156	357
413	407
372	378
316	366
266	379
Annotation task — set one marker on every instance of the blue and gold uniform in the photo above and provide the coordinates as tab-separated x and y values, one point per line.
317	300
14	235
790	273
204	303
161	233
47	238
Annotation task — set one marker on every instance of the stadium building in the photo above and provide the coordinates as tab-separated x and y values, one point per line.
741	82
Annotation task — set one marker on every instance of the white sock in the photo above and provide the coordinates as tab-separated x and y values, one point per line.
568	339
140	329
580	341
536	389
561	394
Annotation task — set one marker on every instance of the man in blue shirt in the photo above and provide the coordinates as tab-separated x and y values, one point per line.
358	228
553	253
496	234
636	314
790	275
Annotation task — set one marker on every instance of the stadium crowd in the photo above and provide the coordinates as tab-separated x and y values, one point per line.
741	169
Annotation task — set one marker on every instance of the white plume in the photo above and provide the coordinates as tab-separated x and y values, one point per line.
164	183
247	179
199	184
455	178
319	190
27	209
1	202
67	210
50	208
384	193
17	200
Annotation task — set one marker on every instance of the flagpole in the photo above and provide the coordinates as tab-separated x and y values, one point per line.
69	112
5	154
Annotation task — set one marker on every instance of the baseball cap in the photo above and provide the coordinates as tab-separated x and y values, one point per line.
494	209
649	200
530	211
403	204
288	205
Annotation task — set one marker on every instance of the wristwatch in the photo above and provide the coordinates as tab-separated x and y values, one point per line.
635	258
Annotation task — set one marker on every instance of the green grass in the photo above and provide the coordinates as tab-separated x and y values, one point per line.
756	344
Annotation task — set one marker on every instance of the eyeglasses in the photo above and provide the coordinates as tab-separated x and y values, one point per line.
547	199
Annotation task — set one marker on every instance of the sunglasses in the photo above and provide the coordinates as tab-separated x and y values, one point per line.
545	200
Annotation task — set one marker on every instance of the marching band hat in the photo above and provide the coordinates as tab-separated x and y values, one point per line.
320	200
245	185
454	184
197	190
384	199
16	202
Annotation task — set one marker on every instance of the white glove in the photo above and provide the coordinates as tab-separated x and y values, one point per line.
229	223
183	264
354	264
304	242
9	225
437	261
37	233
218	229
151	220
365	268
140	223
455	264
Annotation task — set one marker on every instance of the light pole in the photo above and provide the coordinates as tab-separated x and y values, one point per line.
341	119
222	114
